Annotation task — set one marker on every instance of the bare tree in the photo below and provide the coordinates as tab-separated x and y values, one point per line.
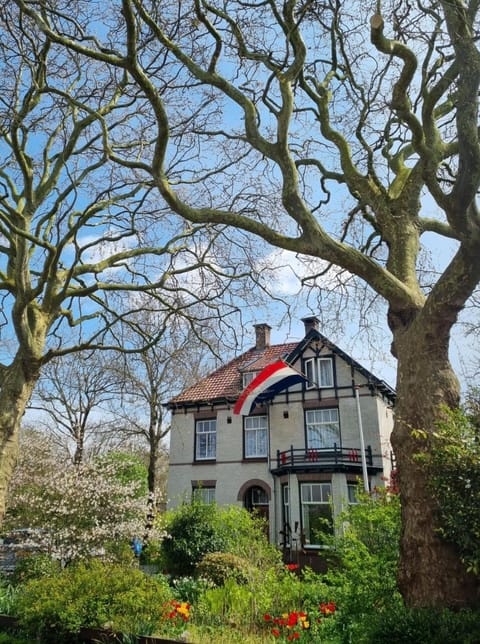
148	378
75	392
79	234
339	130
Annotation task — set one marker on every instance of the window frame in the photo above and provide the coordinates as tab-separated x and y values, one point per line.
313	372
320	443
255	430
324	502
198	494
287	526
352	493
208	449
247	377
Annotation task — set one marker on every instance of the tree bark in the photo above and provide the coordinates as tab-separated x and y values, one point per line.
431	572
19	380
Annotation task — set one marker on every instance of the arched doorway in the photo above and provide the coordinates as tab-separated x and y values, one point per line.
255	496
256	500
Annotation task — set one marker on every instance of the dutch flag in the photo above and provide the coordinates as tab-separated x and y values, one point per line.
274	378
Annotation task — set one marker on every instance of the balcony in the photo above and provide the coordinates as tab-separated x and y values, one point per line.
325	459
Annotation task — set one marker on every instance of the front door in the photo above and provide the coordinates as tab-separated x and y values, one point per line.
256	500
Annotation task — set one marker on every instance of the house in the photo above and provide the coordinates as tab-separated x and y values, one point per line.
297	457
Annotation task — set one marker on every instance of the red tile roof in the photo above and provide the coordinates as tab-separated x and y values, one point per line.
226	382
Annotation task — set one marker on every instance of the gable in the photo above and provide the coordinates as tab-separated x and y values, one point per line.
225	384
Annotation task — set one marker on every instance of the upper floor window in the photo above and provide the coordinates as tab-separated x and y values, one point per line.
319	372
247	377
255	431
205	439
323	428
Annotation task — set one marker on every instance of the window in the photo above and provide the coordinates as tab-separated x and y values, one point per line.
247	377
316	511
206	439
352	492
255	432
204	494
319	372
323	428
287	528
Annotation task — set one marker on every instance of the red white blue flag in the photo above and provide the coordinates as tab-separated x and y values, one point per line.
274	378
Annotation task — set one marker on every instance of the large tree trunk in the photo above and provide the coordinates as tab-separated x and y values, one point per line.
430	573
19	380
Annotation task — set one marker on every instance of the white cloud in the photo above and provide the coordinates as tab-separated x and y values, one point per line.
285	270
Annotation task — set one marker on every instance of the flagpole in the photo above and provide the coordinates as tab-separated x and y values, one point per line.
362	442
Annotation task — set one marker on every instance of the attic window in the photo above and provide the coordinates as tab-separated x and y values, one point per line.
319	372
247	377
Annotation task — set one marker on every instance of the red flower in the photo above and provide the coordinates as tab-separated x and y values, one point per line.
275	632
327	608
292	619
267	617
292	566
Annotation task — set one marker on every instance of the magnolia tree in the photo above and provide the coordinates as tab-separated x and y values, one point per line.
76	511
343	131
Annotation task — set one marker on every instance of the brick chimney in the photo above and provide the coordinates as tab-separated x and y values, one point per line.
310	323
262	336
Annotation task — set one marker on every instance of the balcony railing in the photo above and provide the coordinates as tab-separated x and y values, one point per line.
328	458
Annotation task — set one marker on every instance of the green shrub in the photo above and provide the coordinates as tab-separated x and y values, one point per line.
220	566
91	594
363	578
192	533
35	566
453	460
197	529
229	604
245	534
424	626
8	638
8	595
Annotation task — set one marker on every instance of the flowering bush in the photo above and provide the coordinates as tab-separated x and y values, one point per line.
75	511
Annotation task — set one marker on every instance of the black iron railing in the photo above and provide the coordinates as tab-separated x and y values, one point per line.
334	456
